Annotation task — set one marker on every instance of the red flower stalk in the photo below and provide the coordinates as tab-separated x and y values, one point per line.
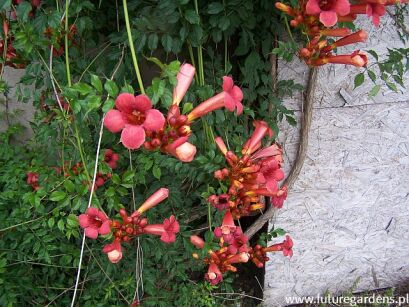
133	115
94	222
113	251
156	198
184	79
111	158
167	231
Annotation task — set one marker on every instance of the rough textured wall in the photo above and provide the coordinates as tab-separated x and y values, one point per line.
348	211
17	111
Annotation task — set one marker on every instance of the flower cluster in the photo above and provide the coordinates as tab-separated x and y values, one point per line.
137	120
316	18
111	158
233	248
32	180
97	223
253	175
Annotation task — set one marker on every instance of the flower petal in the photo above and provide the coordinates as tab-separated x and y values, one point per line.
154	120
91	233
113	121
185	152
84	221
272	185
328	18
227	83
132	137
125	102
342	7
229	102
105	228
237	93
142	103
168	237
312	7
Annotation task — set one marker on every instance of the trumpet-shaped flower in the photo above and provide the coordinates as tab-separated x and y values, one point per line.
213	275
328	10
154	199
233	95
133	115
167	231
94	222
113	251
184	79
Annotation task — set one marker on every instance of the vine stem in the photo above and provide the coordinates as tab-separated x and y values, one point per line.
132	48
301	151
67	60
89	205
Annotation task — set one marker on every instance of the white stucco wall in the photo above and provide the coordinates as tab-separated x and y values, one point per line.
348	211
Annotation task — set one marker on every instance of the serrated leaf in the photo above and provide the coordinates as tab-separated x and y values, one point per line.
156	172
96	83
392	86
82	88
72	221
108	105
69	186
192	17
167	42
51	222
187	107
60	225
215	8
371	75
57	195
359	79
111	88
374	91
23	10
153	41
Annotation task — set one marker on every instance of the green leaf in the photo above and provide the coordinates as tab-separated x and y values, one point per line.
167	42
392	86
215	8
96	82
192	17
60	225
359	79
127	176
111	88
374	54
23	9
57	195
371	75
82	88
374	91
5	4
153	41
70	187
108	105
51	222
72	221
187	107
156	172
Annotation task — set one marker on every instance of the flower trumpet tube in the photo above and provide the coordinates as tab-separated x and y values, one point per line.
156	198
221	145
357	59
341	32
213	275
167	231
113	251
184	79
286	247
197	241
214	103
357	37
181	149
252	144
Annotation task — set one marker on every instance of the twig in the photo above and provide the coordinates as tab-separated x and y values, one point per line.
398	22
301	152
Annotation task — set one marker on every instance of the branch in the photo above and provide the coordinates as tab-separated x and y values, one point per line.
301	152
